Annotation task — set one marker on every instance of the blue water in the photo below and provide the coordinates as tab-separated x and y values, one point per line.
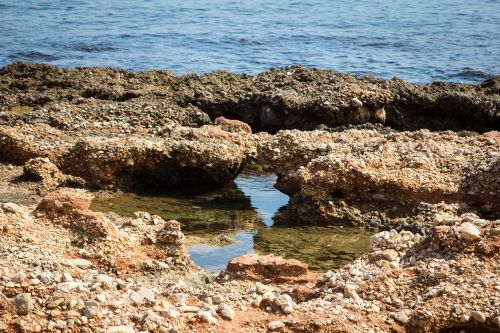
266	200
418	40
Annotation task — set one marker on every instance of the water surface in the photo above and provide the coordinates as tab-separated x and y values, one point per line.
243	212
418	40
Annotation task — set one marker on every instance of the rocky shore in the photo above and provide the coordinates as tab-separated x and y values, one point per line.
419	165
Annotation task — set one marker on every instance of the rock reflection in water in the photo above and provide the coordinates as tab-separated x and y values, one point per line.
244	211
223	210
322	248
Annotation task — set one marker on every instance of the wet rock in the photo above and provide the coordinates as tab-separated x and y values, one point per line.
24	304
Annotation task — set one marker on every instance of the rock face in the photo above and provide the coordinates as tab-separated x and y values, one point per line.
258	268
293	97
166	158
342	177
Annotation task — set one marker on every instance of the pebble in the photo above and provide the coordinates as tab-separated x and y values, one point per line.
496	321
147	294
91	311
469	231
479	316
390	255
206	316
24	304
400	317
66	277
189	308
217	299
356	103
55	303
120	329
274	325
226	311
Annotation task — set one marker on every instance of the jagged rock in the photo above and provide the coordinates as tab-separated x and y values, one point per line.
377	177
42	169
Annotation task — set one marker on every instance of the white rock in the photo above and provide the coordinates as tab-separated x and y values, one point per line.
80	263
136	297
479	316
469	231
13	208
274	325
189	308
400	317
226	311
206	316
120	329
66	277
147	294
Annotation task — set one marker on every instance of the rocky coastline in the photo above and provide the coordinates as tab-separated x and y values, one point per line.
419	165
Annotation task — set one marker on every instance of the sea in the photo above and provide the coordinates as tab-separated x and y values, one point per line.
417	40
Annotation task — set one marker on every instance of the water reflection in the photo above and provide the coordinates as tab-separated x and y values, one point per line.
244	211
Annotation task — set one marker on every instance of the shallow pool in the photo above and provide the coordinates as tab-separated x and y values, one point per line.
243	212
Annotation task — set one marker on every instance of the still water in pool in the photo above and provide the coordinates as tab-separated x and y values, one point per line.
238	219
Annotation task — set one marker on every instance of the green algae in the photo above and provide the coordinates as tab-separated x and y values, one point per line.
322	248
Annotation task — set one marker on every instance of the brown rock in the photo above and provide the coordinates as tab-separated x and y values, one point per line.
232	125
258	268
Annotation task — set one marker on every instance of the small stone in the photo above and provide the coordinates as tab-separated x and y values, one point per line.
469	231
350	291
226	311
496	321
189	308
356	103
217	299
479	316
24	304
207	317
116	304
101	298
120	329
66	277
55	303
274	325
400	317
390	255
106	281
136	297
147	294
91	311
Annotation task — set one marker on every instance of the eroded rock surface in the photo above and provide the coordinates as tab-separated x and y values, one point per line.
363	177
293	97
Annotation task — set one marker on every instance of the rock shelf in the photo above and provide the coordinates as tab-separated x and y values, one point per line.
417	164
